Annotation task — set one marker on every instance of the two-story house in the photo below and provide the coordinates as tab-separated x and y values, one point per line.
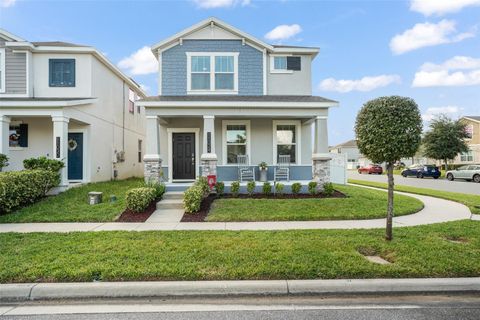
222	94
472	124
68	102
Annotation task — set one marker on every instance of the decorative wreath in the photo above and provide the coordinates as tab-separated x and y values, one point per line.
72	144
14	137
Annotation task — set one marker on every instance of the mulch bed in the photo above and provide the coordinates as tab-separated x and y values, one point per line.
131	216
202	214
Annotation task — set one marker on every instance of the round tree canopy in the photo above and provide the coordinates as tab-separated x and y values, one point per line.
388	129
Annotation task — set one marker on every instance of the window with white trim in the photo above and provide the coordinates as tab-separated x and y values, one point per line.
215	72
469	131
2	70
236	139
285	139
280	63
131	101
466	156
285	63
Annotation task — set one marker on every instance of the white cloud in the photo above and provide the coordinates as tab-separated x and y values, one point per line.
283	32
431	113
7	3
363	84
212	4
426	35
440	7
140	62
457	71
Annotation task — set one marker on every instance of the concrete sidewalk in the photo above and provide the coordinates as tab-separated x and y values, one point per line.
435	211
88	290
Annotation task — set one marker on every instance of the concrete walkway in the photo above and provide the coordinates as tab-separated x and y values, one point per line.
435	211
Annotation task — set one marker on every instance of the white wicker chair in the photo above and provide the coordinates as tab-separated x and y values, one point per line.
245	171
282	170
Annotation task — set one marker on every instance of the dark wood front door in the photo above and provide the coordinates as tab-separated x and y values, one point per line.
183	156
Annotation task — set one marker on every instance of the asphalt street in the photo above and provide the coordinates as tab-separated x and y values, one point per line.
463	307
460	186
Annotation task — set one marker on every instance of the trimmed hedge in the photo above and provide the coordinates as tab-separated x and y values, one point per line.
20	188
193	196
43	163
138	199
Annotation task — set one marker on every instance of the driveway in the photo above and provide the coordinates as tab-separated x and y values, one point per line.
429	183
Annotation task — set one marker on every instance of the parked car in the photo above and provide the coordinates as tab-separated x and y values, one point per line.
371	168
469	172
421	171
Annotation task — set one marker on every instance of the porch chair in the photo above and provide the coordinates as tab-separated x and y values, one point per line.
282	170
245	171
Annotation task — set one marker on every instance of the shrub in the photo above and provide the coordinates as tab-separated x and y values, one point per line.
296	187
20	188
235	188
159	188
279	188
312	187
328	189
220	188
203	183
138	199
192	199
251	187
3	161
267	188
43	163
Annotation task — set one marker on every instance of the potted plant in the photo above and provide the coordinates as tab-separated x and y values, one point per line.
263	168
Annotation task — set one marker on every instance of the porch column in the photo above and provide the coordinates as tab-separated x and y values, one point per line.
209	157
152	160
4	133
60	145
321	157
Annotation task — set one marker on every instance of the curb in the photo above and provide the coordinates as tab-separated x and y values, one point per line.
86	290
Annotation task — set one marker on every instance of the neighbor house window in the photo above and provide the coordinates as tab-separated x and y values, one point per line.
212	72
469	131
2	70
131	101
285	64
466	156
62	72
18	136
139	151
236	137
285	138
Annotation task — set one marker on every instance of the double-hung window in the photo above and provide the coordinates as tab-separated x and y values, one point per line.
236	135
62	72
466	156
286	139
214	72
2	70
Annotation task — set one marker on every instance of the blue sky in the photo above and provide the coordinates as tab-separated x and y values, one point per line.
425	49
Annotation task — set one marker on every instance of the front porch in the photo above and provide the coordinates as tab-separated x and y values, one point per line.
182	186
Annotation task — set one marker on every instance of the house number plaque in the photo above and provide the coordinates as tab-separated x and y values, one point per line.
57	148
209	142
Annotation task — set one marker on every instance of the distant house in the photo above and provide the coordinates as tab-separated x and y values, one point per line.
68	102
473	131
351	150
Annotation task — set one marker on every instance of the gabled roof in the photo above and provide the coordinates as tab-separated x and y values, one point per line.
474	118
350	143
212	21
57	44
9	36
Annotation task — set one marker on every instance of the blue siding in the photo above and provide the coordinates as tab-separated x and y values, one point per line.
174	65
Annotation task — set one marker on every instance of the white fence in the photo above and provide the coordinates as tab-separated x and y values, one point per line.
338	168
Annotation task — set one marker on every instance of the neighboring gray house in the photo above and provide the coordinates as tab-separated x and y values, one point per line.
351	150
223	93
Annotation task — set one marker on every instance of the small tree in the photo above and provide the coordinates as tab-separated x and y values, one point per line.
445	139
388	129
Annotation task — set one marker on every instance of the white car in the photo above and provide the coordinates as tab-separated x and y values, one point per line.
469	172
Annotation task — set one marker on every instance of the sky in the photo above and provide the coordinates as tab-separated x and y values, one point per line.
428	50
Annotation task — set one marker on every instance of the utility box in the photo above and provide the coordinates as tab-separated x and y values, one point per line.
94	197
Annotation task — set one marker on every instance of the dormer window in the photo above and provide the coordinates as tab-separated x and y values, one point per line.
212	72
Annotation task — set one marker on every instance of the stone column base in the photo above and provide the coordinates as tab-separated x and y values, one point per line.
153	169
209	164
321	170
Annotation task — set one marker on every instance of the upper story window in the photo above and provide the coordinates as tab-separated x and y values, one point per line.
215	72
2	70
62	72
469	131
285	64
131	101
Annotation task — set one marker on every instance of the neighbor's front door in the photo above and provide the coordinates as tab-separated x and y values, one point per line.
75	156
183	156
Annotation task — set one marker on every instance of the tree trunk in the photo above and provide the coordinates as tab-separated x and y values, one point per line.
389	230
446	165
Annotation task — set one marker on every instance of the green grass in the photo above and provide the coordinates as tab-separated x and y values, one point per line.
422	251
470	200
72	205
360	203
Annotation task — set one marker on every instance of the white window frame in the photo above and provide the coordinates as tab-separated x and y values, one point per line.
3	69
470	126
212	56
272	64
464	156
246	123
298	139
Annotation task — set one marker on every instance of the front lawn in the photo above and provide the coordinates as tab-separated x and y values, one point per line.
440	250
470	200
360	203
72	205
